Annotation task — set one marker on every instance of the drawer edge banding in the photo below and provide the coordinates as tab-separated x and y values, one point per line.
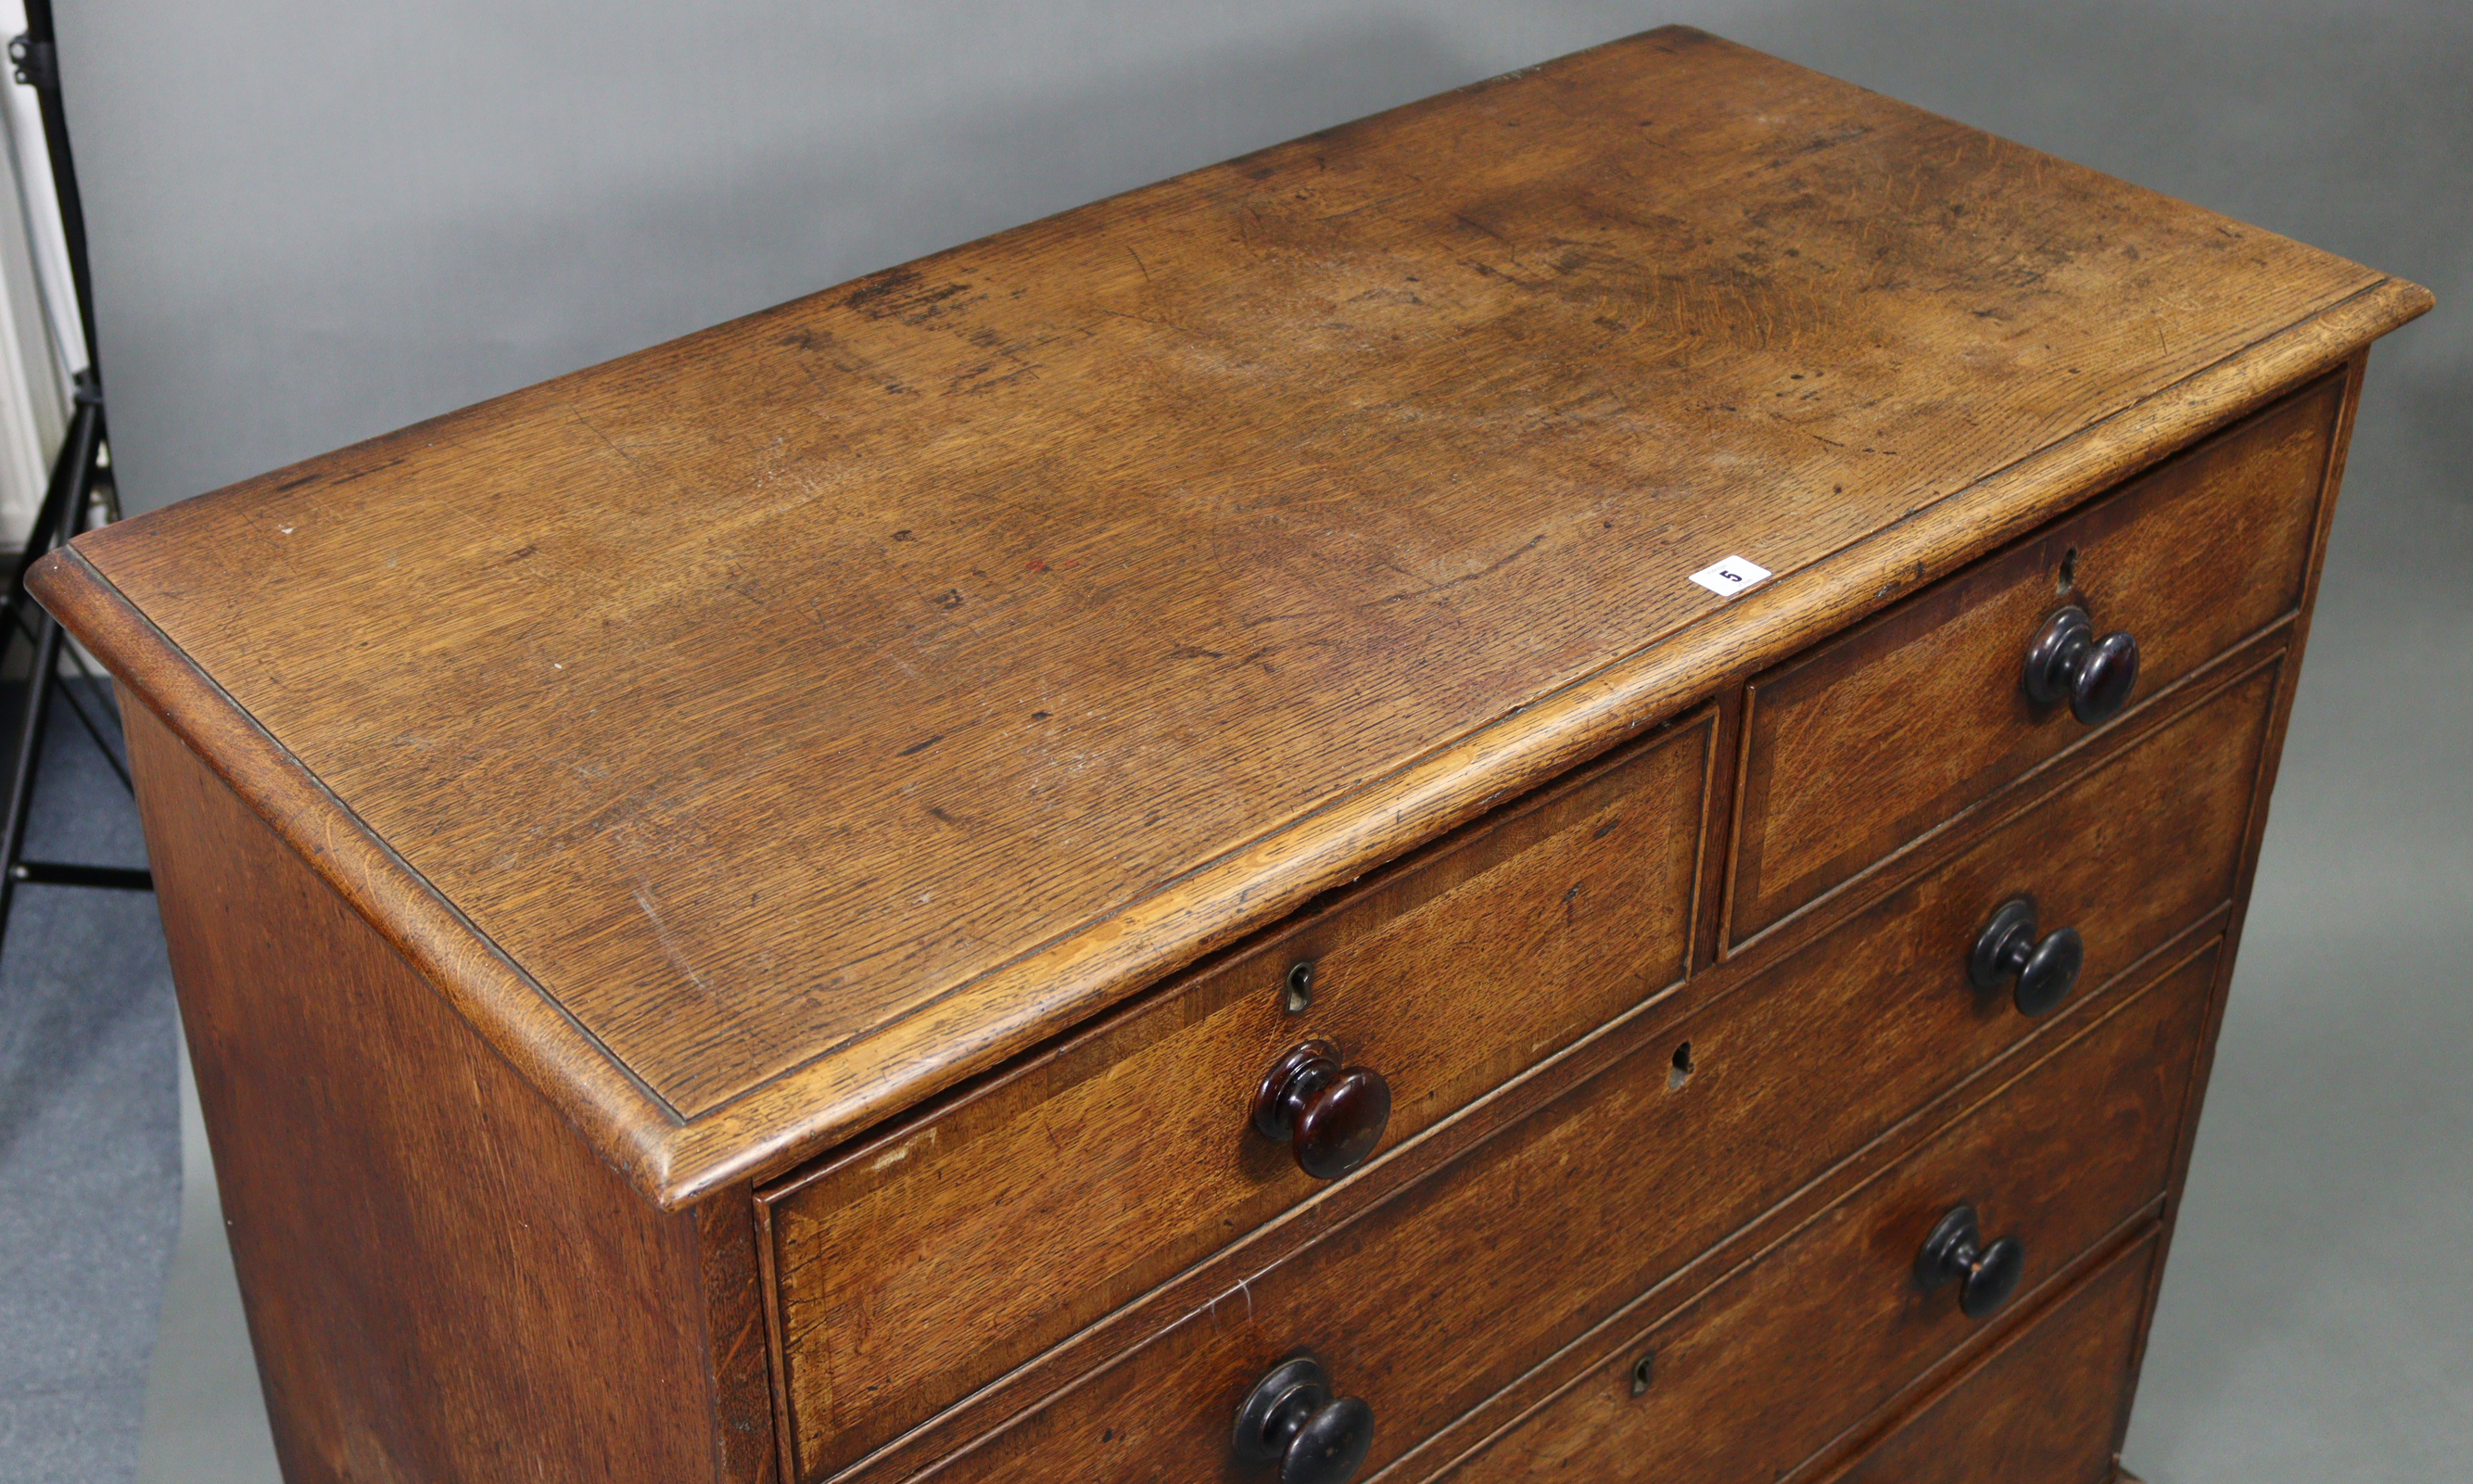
680	1161
1557	1376
1506	1410
891	1244
1951	837
2219	737
2243	486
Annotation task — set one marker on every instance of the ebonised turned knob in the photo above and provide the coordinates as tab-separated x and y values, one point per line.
1331	1115
1291	1419
2046	969
1988	1273
2067	660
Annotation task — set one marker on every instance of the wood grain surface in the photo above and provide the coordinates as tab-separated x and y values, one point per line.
1553	1223
1886	732
1750	1380
2047	1408
441	1281
2132	853
2297	638
1884	975
942	1254
760	733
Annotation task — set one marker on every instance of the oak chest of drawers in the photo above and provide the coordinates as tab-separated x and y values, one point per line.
1555	786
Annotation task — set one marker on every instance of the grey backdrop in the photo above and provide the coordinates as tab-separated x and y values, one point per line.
314	221
317	222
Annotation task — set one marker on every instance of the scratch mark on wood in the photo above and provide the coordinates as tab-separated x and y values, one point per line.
662	934
379	468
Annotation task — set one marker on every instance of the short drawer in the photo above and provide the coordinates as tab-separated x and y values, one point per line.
1770	1368
1449	1290
2048	1406
938	1256
1876	737
2128	856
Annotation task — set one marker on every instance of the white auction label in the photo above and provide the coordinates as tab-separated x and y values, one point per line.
1730	576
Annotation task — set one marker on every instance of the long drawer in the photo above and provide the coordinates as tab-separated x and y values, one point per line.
1443	1292
1878	736
2046	1407
1767	1369
931	1259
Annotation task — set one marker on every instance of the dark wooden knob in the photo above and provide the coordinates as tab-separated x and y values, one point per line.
1291	1419
2045	969
1987	1274
2066	660
1331	1115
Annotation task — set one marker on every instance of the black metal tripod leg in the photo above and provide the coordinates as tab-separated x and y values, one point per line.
29	757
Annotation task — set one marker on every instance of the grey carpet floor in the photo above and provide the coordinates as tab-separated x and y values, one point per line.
89	1138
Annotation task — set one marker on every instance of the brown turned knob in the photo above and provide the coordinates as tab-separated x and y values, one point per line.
1291	1419
1331	1115
1988	1273
2045	969
2068	663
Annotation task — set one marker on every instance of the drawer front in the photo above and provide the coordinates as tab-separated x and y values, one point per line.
1878	736
941	1256
2048	1407
1765	1370
1450	1290
2129	854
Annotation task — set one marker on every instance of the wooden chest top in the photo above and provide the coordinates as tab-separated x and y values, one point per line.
762	730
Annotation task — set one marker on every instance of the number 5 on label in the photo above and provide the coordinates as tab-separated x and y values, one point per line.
1730	576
